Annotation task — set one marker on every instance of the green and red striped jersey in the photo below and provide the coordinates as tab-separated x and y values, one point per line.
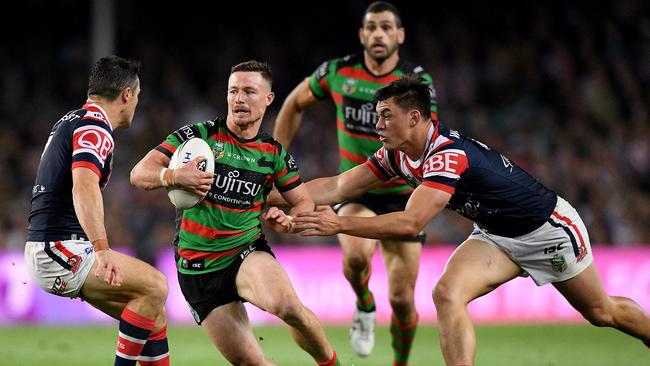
352	88
211	234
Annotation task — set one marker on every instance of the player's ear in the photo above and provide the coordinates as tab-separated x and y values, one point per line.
127	93
414	117
401	35
269	98
361	35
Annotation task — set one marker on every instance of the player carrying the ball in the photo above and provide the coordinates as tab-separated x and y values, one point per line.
222	256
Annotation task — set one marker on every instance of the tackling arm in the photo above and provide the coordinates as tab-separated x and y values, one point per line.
347	185
299	200
335	189
290	115
424	204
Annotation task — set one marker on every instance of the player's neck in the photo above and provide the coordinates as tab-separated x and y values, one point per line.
244	131
108	109
417	144
380	68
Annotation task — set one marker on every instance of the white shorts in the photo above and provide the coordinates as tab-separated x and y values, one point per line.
60	267
556	251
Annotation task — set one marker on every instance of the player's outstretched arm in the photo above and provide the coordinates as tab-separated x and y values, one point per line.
423	205
335	189
89	207
148	174
347	185
290	115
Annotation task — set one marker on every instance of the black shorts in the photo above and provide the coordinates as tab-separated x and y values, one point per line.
207	291
382	204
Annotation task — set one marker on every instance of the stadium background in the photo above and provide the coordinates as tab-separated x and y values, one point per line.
562	88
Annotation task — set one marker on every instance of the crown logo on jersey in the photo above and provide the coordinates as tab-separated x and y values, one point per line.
350	86
218	150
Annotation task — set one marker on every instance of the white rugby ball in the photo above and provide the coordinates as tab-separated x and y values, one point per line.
188	150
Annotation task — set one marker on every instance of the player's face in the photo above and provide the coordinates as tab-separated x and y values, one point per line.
380	35
392	124
248	96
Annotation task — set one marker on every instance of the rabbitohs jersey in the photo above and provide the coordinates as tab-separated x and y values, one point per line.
352	88
213	233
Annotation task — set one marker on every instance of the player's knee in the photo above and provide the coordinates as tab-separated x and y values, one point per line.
289	310
157	288
161	319
357	262
444	295
401	301
599	316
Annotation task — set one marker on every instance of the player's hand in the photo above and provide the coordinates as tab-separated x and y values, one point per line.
191	179
321	222
277	220
106	264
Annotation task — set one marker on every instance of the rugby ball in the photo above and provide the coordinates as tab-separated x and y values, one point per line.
188	150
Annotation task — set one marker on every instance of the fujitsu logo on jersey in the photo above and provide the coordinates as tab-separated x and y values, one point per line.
366	114
230	183
187	130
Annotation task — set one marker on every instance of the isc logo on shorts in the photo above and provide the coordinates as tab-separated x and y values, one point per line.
251	248
59	286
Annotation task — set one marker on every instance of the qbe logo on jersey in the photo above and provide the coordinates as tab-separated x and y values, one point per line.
447	163
94	140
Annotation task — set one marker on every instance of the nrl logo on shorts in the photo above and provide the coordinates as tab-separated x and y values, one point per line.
558	263
350	86
218	151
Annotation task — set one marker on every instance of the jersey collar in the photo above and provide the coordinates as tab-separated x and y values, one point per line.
94	107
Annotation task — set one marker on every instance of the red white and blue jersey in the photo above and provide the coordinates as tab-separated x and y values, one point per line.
81	138
486	187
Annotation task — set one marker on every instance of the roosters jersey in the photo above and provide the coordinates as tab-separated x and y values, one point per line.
486	187
81	138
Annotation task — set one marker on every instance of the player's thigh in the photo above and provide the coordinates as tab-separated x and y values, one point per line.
263	282
474	269
111	308
229	328
139	279
402	260
585	290
354	246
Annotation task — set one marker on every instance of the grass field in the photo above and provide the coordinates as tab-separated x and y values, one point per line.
543	345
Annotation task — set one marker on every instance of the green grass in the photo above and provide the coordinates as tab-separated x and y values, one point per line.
530	345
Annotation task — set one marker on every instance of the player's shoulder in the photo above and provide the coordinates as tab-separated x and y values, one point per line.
352	59
85	121
345	61
213	125
410	67
191	130
264	137
445	139
332	66
71	118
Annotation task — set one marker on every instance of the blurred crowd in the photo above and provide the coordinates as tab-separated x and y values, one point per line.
563	90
